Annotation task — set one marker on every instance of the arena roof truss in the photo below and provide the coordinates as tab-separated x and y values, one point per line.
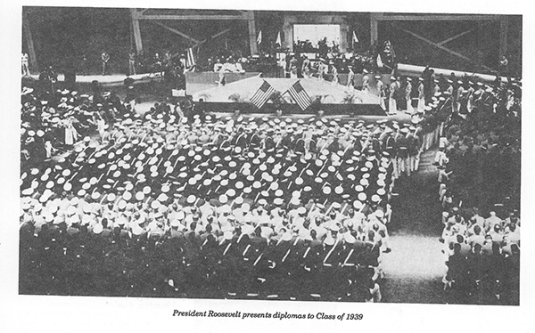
158	17
483	20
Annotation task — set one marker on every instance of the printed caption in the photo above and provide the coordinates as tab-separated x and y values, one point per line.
269	315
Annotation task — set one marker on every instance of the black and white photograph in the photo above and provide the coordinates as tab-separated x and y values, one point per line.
273	159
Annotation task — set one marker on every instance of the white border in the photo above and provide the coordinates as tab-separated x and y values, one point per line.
87	314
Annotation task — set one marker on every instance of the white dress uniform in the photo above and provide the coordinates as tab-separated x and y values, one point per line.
408	91
380	91
71	135
366	83
421	97
392	105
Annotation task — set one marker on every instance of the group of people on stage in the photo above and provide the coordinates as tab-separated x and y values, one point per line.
138	63
322	46
105	64
328	68
479	162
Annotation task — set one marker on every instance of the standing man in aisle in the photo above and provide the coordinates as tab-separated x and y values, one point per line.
402	145
415	145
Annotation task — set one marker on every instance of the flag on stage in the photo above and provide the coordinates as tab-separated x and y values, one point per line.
278	41
262	95
259	38
392	52
355	39
190	58
300	95
379	61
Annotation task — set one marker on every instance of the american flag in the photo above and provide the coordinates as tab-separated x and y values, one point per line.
300	95
379	61
190	59
262	95
355	39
